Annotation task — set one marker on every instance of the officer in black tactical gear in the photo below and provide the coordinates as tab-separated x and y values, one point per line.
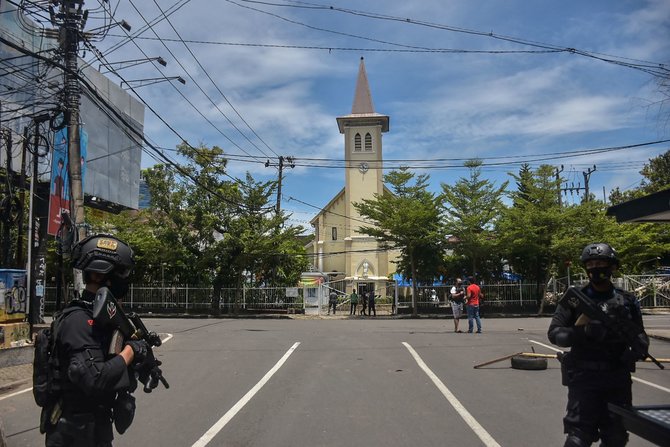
597	368
95	385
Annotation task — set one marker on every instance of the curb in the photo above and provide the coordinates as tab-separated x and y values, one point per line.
4	388
659	337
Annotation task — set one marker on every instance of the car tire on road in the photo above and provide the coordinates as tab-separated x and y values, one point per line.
529	363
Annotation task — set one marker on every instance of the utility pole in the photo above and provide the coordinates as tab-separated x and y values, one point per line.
22	199
34	274
557	173
587	176
291	163
72	17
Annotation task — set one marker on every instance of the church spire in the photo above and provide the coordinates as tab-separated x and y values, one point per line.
362	97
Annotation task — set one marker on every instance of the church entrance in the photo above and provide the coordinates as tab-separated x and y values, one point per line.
365	287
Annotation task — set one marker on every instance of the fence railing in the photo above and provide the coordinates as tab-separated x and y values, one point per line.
651	290
187	298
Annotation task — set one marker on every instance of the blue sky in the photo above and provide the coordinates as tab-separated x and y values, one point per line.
442	105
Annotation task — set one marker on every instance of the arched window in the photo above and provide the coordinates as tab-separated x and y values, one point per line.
357	143
368	142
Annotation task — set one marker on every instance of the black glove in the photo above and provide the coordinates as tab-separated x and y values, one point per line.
140	349
595	330
640	346
151	376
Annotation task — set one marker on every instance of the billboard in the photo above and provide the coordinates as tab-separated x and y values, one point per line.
113	145
114	149
59	191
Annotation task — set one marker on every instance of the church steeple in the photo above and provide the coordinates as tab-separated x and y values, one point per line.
362	111
362	97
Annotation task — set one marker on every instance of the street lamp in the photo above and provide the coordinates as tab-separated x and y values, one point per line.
131	63
149	81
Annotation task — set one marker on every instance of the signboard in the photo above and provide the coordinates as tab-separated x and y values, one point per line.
59	195
13	303
291	292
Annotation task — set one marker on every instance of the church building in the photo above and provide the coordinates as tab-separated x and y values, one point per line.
340	251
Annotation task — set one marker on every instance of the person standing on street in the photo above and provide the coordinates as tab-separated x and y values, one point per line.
371	303
364	302
457	299
473	296
95	386
354	303
597	368
332	301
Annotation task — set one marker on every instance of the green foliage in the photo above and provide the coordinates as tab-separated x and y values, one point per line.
526	229
218	232
407	220
656	178
472	206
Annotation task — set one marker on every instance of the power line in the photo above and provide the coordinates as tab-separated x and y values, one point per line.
356	49
217	87
119	117
653	68
199	87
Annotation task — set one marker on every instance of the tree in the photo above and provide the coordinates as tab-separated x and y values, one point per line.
526	229
472	206
656	177
222	230
407	220
656	174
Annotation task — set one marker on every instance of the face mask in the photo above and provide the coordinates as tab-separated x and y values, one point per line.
599	275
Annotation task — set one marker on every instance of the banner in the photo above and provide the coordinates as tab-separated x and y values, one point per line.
60	196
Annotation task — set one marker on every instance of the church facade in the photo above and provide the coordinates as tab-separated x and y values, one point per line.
339	250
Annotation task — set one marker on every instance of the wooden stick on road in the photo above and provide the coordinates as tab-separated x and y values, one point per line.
545	356
498	360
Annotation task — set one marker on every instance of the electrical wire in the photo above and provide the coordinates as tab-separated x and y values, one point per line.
102	59
217	87
653	68
94	93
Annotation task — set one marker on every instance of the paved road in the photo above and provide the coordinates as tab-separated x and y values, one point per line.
342	382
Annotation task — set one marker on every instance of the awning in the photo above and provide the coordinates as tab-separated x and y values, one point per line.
651	208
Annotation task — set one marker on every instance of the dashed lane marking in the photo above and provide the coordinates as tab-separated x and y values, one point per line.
645	382
216	428
485	437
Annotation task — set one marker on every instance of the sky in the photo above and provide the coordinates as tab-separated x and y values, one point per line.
459	80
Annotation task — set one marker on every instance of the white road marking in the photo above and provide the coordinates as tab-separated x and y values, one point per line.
216	428
651	384
169	336
16	393
486	438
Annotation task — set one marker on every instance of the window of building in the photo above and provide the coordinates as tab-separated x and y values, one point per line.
357	143
368	142
334	233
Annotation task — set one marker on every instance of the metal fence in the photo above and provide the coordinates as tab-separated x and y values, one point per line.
651	290
149	298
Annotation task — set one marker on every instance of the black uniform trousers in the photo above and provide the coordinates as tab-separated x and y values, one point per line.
588	417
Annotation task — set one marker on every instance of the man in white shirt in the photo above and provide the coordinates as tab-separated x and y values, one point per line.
457	300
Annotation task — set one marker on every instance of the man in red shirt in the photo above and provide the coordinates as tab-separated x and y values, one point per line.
473	295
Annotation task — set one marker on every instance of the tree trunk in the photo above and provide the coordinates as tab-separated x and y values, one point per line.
216	298
411	262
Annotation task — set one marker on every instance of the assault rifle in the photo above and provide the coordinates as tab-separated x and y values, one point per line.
624	328
106	311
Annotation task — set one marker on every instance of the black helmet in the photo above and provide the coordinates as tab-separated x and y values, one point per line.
103	253
599	251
